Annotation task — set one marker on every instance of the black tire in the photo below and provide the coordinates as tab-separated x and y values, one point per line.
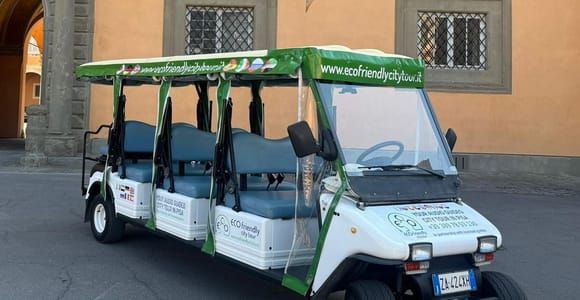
110	229
495	284
369	290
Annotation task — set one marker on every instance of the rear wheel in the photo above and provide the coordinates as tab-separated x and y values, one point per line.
369	290
501	286
105	226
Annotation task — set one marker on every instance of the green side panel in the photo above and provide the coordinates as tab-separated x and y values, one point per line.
209	244
164	90
117	88
223	93
363	69
295	284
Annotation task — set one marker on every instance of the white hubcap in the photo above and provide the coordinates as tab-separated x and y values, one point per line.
100	218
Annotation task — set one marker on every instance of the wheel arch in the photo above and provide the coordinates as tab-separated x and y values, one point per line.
359	266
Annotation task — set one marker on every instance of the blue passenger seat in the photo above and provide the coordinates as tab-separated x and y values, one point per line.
257	155
191	144
139	138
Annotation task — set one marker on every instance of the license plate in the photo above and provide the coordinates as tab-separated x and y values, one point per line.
455	282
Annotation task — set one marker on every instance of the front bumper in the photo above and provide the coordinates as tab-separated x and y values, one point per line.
423	283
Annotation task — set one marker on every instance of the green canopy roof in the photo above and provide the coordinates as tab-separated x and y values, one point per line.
335	63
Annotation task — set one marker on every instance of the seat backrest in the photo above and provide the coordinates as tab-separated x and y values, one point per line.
139	137
191	144
256	154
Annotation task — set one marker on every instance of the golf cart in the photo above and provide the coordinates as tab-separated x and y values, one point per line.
358	192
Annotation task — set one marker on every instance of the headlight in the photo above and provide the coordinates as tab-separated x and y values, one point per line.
486	244
421	251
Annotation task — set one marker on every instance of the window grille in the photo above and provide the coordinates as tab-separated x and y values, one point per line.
212	29
452	40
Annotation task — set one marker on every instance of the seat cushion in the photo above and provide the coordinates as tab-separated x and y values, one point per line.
140	172
271	204
191	186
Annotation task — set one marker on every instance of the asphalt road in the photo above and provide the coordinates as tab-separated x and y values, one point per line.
47	252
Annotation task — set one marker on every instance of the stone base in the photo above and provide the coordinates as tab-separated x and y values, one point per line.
60	145
34	160
530	164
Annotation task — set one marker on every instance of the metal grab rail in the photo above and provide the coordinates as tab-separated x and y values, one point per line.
85	157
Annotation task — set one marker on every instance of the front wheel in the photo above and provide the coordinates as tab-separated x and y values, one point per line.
105	226
501	286
369	290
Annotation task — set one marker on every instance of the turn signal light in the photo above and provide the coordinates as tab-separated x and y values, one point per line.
481	259
416	267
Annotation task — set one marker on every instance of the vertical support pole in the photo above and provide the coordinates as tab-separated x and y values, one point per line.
223	93
161	111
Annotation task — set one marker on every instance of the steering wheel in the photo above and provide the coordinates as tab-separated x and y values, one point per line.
380	160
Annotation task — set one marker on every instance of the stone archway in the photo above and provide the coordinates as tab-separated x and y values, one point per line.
16	18
55	127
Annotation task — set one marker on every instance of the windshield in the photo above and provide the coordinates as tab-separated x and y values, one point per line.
383	126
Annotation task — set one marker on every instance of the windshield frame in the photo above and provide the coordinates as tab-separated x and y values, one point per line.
429	111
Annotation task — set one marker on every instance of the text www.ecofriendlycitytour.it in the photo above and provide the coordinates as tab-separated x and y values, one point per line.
397	76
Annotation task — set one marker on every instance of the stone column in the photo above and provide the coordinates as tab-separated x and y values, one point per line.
60	141
35	133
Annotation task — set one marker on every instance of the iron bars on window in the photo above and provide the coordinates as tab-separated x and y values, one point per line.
452	40
211	29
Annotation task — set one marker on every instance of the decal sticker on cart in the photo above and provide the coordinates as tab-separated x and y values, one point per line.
437	220
172	208
126	192
407	225
239	230
222	225
256	64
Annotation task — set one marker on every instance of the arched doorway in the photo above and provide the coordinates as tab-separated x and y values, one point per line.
31	86
17	18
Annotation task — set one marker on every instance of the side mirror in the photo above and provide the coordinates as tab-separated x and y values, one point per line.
304	143
302	139
451	138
